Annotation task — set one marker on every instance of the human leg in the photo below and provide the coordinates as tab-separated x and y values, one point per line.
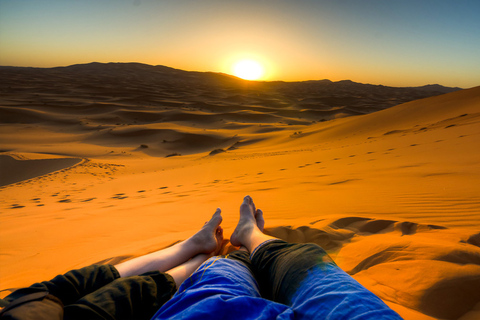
248	233
98	290
73	285
222	288
185	270
304	277
134	297
204	241
140	296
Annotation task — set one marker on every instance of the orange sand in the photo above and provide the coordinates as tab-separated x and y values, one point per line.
393	196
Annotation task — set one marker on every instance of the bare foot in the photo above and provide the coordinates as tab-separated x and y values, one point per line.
246	224
209	239
260	220
260	224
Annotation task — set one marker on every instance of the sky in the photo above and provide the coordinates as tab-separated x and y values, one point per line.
389	42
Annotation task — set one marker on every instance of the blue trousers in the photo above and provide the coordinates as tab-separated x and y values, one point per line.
279	280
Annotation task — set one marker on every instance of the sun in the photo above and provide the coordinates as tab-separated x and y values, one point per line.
248	69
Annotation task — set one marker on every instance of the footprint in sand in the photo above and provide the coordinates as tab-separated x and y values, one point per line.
343	181
120	196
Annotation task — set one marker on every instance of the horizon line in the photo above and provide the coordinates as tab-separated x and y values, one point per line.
231	75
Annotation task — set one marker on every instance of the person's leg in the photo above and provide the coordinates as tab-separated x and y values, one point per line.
100	282
139	297
185	270
204	241
135	297
222	288
73	285
247	233
304	277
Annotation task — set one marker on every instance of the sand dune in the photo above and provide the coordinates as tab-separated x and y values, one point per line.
101	163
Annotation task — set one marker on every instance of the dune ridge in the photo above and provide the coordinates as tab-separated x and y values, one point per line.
126	159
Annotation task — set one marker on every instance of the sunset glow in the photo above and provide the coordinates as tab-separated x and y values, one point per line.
248	70
397	43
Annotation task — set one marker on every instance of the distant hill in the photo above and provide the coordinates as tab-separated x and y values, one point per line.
316	100
163	73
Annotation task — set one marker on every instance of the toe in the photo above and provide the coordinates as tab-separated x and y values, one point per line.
216	218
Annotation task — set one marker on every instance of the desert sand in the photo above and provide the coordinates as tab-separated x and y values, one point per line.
99	165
